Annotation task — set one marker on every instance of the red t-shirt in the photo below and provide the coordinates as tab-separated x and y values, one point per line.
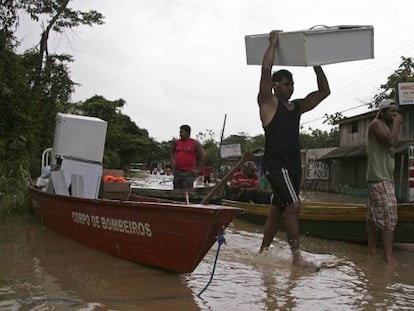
206	171
241	178
185	154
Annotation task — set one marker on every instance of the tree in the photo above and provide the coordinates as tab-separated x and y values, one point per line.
15	107
36	85
51	95
404	73
59	17
8	16
33	87
246	142
125	141
319	139
210	145
51	84
159	152
332	119
15	120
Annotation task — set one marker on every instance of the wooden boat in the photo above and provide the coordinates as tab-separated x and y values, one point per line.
334	221
79	201
195	195
173	236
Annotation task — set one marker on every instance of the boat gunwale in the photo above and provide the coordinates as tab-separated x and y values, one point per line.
152	204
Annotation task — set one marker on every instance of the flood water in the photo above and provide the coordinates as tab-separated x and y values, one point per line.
42	270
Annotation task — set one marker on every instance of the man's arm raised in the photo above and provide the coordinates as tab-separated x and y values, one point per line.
314	98
266	83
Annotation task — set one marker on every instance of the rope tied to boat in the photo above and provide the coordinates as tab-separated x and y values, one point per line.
220	240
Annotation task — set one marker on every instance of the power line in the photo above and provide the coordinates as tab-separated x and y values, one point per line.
367	75
367	71
338	112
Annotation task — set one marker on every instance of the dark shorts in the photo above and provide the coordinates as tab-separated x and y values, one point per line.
285	186
183	179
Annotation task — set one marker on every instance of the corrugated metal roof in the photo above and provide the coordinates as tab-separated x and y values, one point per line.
403	146
360	151
345	152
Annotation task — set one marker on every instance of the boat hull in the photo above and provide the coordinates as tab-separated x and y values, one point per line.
165	235
333	221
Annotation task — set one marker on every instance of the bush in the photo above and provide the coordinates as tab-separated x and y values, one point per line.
14	194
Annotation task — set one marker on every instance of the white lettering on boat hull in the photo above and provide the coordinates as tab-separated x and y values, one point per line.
113	224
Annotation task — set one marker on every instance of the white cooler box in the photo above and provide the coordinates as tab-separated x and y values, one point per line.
314	47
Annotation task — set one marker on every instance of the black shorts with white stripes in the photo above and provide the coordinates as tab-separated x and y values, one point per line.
285	186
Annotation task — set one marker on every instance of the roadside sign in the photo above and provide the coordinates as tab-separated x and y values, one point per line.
406	93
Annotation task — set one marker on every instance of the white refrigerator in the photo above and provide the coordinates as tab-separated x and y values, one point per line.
78	149
79	137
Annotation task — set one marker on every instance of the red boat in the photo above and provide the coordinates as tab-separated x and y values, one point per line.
168	235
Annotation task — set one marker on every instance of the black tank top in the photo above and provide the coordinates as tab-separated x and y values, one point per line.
282	140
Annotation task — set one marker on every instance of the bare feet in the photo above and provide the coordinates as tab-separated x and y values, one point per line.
264	249
372	252
299	261
391	262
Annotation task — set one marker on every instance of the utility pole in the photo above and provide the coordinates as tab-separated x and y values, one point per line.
221	140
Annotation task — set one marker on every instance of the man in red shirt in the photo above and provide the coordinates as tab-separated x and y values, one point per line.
206	171
185	153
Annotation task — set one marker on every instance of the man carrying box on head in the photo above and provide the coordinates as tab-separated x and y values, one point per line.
281	162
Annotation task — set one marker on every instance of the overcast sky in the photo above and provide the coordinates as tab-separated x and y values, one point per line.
184	61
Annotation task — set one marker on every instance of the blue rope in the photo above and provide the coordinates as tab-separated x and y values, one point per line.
220	241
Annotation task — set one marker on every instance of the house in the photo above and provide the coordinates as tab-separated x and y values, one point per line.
347	163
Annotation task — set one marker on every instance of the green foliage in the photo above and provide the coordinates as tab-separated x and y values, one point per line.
125	141
111	159
320	139
246	142
212	152
13	190
57	16
160	152
204	137
210	146
31	95
49	95
8	15
332	119
16	108
67	17
100	107
404	73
